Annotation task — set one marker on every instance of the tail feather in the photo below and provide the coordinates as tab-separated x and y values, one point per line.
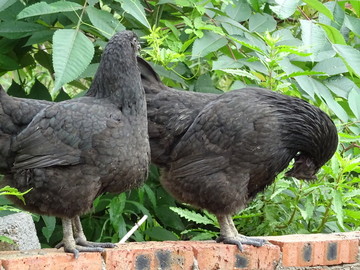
149	78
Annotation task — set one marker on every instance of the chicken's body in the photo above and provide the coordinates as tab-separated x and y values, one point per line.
75	150
218	151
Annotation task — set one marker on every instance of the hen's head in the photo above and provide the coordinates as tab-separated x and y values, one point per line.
313	137
123	44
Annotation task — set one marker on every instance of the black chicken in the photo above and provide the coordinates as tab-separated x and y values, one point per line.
70	152
218	151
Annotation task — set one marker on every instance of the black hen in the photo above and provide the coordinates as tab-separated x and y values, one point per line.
218	151
75	150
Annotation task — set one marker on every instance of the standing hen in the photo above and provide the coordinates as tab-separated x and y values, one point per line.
75	150
218	151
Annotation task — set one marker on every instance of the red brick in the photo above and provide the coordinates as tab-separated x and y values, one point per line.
211	255
149	255
316	249
49	259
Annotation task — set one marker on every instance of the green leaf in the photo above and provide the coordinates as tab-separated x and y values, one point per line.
353	23
261	23
354	102
4	4
315	42
72	53
238	10
61	96
43	8
192	216
317	5
6	240
16	90
350	56
333	34
356	7
168	217
337	204
8	63
104	21
284	8
116	208
40	37
331	66
210	42
49	228
240	73
135	9
226	62
161	234
39	91
18	29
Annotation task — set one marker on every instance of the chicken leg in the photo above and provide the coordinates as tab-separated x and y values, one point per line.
74	240
229	234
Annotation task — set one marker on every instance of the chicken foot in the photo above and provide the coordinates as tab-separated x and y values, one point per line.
229	234
71	244
80	238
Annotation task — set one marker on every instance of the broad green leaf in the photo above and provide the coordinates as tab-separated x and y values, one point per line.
72	53
39	91
331	66
61	96
226	62
49	228
314	39
231	26
104	21
8	63
192	216
116	208
18	29
261	23
238	10
16	90
43	8
317	5
4	4
161	234
168	217
340	86
210	42
333	34
135	9
354	102
337	12
352	213
350	56
40	37
337	206
353	23
205	84
284	8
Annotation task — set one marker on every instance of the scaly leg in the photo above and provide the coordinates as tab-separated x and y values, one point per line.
229	234
80	237
69	243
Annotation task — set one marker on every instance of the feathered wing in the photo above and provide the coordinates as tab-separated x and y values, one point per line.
57	136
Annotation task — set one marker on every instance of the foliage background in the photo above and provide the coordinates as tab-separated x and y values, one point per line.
309	49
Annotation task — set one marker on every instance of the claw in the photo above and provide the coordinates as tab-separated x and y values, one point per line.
241	240
231	241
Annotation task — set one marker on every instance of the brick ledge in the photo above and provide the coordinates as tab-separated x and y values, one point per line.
311	251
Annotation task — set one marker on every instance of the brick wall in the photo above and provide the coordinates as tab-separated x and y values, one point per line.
315	251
